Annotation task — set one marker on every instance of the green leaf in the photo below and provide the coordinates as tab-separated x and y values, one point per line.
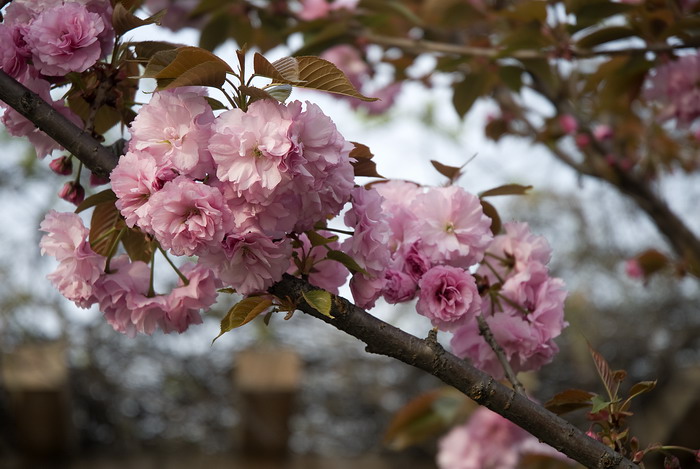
307	72
104	227
188	57
507	189
243	312
319	240
104	196
346	260
598	404
320	300
569	400
215	104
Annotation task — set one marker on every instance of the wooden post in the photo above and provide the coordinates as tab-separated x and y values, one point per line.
36	380
268	379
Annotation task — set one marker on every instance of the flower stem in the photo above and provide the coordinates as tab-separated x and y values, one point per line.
486	333
177	271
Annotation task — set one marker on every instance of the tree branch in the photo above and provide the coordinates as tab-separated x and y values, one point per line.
421	46
385	339
380	337
96	157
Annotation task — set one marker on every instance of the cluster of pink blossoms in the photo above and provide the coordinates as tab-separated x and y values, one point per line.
122	293
51	38
424	242
229	189
525	311
488	440
675	86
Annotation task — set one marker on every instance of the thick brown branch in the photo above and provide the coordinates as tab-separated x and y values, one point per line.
99	159
384	339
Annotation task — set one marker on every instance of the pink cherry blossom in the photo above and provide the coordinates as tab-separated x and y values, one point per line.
121	292
64	39
250	262
366	290
452	226
568	124
174	127
253	149
674	86
399	287
633	269
415	264
488	440
515	251
134	181
184	302
448	297
79	266
325	273
188	217
368	245
314	9
401	218
15	52
524	324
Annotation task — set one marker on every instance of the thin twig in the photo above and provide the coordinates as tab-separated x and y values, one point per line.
486	333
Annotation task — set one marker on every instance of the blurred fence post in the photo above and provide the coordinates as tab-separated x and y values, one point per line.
268	380
36	380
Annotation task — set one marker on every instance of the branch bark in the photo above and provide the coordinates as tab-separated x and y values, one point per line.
96	157
380	337
426	354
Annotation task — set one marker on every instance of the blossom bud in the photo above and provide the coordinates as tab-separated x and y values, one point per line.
602	132
583	140
98	180
568	123
72	192
62	165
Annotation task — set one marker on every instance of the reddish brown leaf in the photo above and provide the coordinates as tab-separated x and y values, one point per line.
450	172
569	400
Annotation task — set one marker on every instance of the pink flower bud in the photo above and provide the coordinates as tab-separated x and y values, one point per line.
633	269
602	132
568	124
62	165
582	140
72	192
98	180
